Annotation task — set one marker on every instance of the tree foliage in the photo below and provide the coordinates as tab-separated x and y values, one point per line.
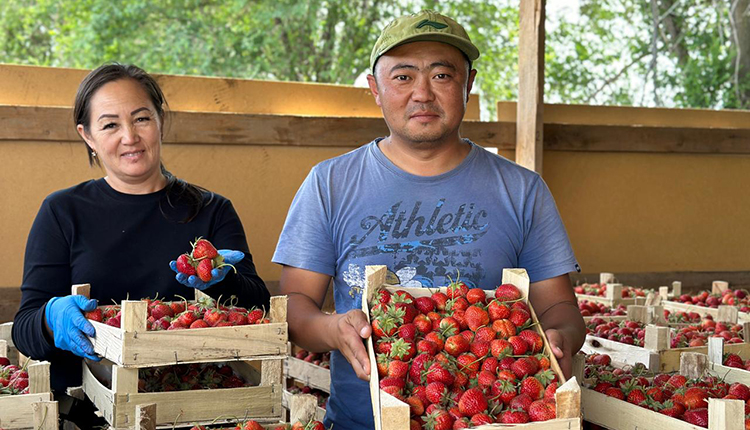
685	53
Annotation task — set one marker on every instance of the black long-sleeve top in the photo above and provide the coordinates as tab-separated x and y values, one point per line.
121	244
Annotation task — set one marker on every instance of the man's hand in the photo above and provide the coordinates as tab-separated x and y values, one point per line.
561	351
348	330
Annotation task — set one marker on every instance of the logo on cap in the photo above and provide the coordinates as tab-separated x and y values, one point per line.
433	24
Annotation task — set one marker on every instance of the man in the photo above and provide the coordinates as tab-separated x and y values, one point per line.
426	203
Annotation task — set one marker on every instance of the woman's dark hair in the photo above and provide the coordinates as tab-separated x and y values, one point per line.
177	190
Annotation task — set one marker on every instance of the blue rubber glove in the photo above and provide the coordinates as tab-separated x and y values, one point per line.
64	316
217	275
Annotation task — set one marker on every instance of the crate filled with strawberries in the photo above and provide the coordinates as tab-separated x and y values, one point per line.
308	373
708	303
631	397
461	358
610	293
25	394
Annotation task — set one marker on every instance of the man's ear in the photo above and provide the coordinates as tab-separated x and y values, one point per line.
374	88
470	83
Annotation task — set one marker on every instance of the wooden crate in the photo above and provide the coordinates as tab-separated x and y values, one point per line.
12	354
133	346
723	312
614	297
288	399
118	404
715	357
618	414
656	353
392	414
33	410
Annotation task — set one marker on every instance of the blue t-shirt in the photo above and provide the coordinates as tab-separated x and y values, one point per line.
360	209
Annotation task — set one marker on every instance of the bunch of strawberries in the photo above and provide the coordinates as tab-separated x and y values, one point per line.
184	315
669	394
461	359
739	298
319	359
13	380
182	377
697	334
202	259
254	425
589	308
628	332
734	360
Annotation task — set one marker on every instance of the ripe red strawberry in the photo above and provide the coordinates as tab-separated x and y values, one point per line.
436	338
498	310
407	331
479	348
204	270
507	292
733	360
425	305
435	392
532	387
549	391
740	390
255	316
95	315
636	396
419	364
602	360
480	419
472	402
252	425
392	382
160	310
236	317
403	349
397	369
519	317
204	249
456	289
504	328
519	345
615	392
438	420
199	324
676	381
524	366
695	398
4	361
437	372
468	363
422	323
485	378
476	295
533	339
456	345
214	316
185	264
476	317
514	417
541	410
440	299
698	417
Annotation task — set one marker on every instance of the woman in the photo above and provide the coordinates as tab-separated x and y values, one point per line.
120	232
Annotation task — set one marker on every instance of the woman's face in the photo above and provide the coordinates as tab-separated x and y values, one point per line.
125	132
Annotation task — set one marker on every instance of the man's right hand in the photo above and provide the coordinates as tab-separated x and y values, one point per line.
64	316
348	330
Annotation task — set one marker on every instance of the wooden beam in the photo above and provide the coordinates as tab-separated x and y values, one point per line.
530	123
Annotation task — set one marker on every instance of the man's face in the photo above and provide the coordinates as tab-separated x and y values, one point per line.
422	88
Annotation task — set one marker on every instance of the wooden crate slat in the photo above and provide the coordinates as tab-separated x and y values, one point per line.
556	424
308	374
669	360
16	411
621	352
286	402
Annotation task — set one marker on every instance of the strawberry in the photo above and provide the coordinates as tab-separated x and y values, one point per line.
480	419
740	390
214	316
185	264
521	401
472	402
695	398
422	323
615	392
485	334
418	365
199	324
670	409
504	328
425	305
237	317
457	289
479	348
698	417
519	345
524	366
160	310
498	310
204	270
468	363
95	315
485	378
476	295
507	293
255	316
435	392
519	317
428	347
636	396
533	339
397	369
532	387
676	381
733	360
252	425
438	420
514	417
407	331
440	299
476	317
549	391
437	372
456	345
203	249
540	410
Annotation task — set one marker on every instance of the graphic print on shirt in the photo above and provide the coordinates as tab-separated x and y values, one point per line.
422	245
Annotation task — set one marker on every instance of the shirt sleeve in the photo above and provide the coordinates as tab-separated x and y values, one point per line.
245	284
546	251
46	274
306	241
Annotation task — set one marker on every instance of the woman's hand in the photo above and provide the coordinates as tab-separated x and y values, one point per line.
64	317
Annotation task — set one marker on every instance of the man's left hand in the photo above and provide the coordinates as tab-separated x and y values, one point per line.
217	275
561	351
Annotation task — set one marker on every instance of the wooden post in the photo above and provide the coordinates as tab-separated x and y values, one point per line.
728	314
676	289
657	338
746	331
664	293
718	287
614	293
638	314
3	348
579	366
530	116
45	415
693	365
81	290
134	314
124	380
39	378
725	414
145	416
568	399
393	412
716	350
606	278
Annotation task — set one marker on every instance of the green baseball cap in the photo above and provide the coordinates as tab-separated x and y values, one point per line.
426	25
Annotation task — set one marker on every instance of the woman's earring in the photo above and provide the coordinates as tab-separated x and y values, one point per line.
93	153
